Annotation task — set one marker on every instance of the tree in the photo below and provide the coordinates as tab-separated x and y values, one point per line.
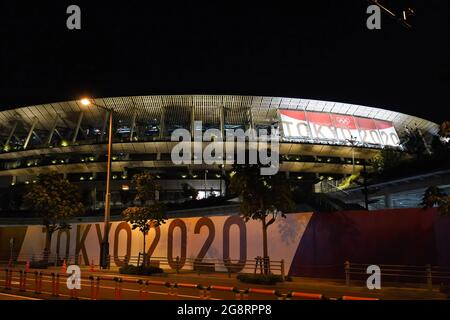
55	200
263	198
144	218
151	213
414	142
444	129
386	160
434	196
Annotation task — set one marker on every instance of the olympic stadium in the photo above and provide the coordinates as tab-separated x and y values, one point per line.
321	140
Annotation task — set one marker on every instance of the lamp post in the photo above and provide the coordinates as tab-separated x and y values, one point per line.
104	247
353	142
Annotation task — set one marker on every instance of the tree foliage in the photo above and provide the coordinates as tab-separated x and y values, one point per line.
146	187
151	213
414	142
444	129
263	197
387	159
143	218
55	200
435	197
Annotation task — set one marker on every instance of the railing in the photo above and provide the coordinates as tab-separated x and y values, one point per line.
209	265
178	264
423	275
55	284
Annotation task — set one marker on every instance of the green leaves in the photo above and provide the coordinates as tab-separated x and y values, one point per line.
261	196
434	196
54	199
143	218
147	215
146	187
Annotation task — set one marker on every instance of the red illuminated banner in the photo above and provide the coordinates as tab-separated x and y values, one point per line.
328	126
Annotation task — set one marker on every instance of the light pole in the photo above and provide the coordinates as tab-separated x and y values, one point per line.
353	141
104	247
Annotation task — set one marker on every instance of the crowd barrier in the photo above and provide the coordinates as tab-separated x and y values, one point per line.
32	281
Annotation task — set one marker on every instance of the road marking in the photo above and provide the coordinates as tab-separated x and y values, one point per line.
16	296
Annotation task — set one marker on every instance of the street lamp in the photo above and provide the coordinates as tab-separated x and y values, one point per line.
353	142
104	248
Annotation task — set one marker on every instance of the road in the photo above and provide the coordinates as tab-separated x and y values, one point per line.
131	290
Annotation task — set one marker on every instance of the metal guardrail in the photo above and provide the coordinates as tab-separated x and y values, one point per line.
207	265
178	264
34	281
427	274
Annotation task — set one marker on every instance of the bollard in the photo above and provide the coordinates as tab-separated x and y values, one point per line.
36	282
347	273
20	279
57	285
429	278
24	282
97	288
53	284
118	289
91	278
10	279
202	292
40	282
141	288
7	286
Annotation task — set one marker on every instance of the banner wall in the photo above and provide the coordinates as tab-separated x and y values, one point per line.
311	244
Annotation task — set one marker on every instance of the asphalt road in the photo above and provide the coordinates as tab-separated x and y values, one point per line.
131	290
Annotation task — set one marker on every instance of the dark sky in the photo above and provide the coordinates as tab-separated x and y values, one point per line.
317	49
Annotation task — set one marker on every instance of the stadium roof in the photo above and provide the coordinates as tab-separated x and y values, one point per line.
239	109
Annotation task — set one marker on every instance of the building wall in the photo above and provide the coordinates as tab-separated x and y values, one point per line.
311	244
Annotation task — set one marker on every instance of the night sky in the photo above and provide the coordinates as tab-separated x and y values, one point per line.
317	49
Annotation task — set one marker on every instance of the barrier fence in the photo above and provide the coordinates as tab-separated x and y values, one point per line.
352	272
423	275
177	264
95	286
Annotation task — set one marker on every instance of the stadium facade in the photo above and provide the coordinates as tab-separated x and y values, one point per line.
320	139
